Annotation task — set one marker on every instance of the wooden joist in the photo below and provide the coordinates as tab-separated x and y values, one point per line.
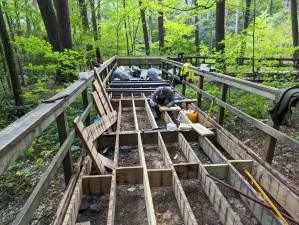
170	109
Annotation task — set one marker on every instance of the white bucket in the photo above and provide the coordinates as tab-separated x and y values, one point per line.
171	127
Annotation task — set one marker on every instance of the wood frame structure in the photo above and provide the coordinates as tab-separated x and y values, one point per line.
17	137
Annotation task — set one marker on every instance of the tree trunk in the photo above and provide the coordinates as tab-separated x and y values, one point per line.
126	29
220	24
95	28
294	18
145	31
10	59
84	17
99	17
49	18
237	22
63	21
28	21
161	29
270	7
247	15
196	35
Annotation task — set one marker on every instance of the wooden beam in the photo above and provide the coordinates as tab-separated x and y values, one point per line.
129	175
170	109
96	184
160	177
220	171
187	170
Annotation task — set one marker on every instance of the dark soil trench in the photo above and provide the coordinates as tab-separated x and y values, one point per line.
202	156
128	156
166	208
127	120
94	208
130	205
175	153
143	120
238	206
200	203
153	157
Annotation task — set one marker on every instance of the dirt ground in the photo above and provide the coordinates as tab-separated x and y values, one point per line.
153	157
143	120
128	156
127	117
175	153
200	203
94	208
286	160
166	214
130	205
204	159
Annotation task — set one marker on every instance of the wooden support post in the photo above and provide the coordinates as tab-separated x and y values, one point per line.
200	86
174	74
224	90
270	146
63	133
85	105
167	68
184	88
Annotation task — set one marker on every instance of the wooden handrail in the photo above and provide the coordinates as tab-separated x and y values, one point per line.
262	90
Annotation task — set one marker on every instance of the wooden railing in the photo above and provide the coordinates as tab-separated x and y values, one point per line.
266	62
226	82
15	138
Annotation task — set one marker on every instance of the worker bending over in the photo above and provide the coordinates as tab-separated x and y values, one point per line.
163	96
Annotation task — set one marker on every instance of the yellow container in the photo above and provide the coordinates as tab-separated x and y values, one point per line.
192	116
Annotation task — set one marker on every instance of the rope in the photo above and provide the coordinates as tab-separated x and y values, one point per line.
209	113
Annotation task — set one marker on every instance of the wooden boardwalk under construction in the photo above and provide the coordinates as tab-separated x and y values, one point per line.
133	171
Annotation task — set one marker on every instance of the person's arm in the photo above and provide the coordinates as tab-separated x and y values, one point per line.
153	100
170	95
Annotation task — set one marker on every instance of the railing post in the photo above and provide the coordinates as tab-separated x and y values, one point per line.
224	90
85	104
184	87
200	86
174	74
268	153
63	133
167	68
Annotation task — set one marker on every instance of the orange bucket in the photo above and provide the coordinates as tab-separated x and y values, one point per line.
192	116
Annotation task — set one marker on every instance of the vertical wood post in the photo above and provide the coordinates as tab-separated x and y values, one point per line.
184	87
200	86
174	74
270	146
167	68
85	104
224	90
163	67
63	133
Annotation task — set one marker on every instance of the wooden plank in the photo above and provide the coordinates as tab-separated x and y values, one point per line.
64	203
160	177
219	171
112	197
96	184
241	165
62	127
169	109
98	104
187	170
129	175
84	223
89	145
107	162
73	207
262	90
201	130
